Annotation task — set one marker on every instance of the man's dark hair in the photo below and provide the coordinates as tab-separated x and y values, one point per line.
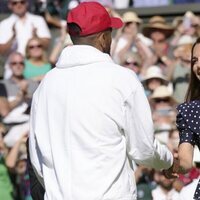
74	29
75	34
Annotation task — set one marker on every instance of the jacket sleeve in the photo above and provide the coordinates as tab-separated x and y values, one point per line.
35	155
142	147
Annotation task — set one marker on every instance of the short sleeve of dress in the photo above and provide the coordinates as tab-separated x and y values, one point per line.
187	122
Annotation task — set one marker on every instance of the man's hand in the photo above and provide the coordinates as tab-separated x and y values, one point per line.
14	30
172	172
34	31
23	85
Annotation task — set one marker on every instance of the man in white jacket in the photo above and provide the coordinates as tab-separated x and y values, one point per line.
90	118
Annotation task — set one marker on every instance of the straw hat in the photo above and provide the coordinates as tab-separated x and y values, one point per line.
131	17
154	72
158	23
157	19
163	92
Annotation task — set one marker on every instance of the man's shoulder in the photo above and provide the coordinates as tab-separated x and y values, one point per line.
8	21
6	82
32	83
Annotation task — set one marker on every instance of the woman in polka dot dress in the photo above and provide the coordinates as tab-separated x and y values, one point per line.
188	118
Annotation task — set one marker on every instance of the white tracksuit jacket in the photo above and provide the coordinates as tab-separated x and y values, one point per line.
90	118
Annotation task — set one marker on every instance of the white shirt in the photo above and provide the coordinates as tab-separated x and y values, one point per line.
159	194
24	30
123	41
89	118
187	192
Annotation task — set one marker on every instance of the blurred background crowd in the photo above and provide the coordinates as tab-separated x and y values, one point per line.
157	50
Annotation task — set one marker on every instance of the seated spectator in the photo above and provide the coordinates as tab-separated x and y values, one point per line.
183	40
128	39
133	61
164	189
163	111
18	28
159	32
16	162
4	105
180	72
6	187
19	165
161	100
19	94
17	87
188	25
125	37
13	164
153	78
36	63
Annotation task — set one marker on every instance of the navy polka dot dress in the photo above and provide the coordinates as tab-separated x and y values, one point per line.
188	124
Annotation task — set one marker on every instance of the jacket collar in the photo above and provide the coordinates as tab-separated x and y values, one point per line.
78	55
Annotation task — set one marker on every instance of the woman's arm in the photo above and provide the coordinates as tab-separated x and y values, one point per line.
184	161
185	156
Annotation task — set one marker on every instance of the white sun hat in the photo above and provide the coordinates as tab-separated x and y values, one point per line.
163	92
154	72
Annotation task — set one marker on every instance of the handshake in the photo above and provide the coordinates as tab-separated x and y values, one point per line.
173	171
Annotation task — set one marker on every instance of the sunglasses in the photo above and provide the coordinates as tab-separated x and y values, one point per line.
194	25
14	3
35	46
17	63
159	41
186	61
159	100
131	63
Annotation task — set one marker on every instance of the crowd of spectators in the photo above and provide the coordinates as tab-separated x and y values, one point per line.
159	52
60	7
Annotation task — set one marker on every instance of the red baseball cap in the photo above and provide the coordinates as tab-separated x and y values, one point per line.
92	18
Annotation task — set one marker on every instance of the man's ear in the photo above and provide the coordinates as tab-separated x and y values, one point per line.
101	40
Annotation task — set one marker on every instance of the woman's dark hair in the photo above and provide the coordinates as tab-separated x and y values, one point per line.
193	92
